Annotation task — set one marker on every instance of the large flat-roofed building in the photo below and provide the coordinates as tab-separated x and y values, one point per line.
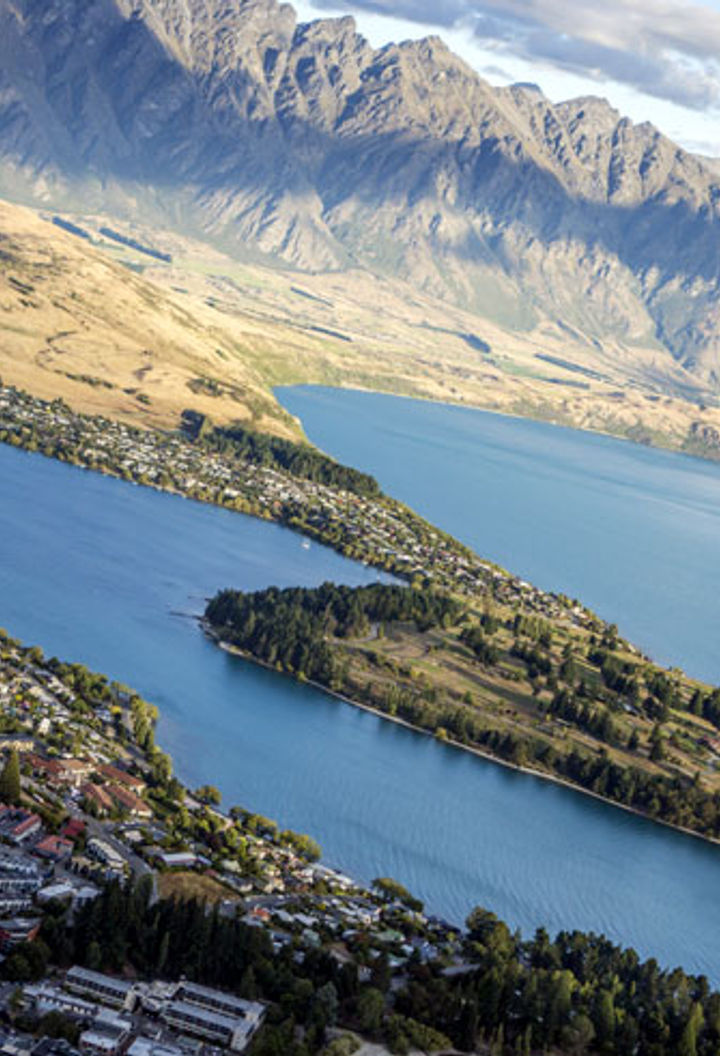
218	1001
15	870
104	988
19	881
46	998
233	1032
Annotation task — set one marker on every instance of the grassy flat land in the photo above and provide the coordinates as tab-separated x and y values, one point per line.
116	331
507	699
191	885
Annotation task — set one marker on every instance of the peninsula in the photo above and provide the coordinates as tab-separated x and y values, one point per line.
532	678
562	700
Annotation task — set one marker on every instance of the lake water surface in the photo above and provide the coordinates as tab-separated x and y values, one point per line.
102	572
633	532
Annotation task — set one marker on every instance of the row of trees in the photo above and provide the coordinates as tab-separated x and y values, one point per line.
299	460
577	994
673	799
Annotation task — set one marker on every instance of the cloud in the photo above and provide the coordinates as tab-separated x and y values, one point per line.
497	72
669	49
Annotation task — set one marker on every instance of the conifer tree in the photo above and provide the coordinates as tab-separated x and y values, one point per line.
10	779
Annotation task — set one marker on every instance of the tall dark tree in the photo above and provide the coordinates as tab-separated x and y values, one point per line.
10	779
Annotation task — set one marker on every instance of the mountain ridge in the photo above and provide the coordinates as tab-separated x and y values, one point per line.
302	142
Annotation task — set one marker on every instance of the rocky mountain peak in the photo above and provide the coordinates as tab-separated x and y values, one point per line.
305	142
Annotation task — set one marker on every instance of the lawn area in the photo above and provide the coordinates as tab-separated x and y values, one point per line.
191	885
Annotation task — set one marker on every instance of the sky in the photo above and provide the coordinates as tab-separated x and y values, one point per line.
654	60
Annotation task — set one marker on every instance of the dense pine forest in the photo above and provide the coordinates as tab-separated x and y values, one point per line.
291	626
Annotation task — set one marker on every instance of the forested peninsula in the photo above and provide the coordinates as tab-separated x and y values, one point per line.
574	704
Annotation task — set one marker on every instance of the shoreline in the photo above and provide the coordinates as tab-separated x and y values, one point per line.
297	530
528	771
513	416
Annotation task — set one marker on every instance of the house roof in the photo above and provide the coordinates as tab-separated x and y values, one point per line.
122	777
74	828
54	847
128	800
98	795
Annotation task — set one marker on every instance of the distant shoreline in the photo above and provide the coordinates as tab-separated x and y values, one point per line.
712	459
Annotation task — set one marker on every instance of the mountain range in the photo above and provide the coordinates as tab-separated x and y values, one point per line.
274	140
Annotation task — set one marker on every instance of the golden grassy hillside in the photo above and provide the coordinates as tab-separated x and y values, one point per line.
114	331
77	324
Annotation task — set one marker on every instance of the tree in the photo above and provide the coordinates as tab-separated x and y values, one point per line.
392	889
657	752
468	1026
10	779
568	670
208	794
578	1034
688	1040
485	928
370	1008
325	1006
605	1021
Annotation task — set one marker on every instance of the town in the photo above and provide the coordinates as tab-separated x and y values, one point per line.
88	801
375	530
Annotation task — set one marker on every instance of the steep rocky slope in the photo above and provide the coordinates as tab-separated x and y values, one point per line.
303	142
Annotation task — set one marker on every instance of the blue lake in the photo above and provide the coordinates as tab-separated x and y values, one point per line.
633	532
106	573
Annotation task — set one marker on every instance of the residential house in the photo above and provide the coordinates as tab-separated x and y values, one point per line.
122	777
17	824
129	802
17	930
73	829
98	798
54	848
104	852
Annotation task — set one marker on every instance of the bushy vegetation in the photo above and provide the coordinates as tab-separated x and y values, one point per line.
577	994
300	460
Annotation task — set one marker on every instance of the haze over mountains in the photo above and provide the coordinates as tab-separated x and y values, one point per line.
232	122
